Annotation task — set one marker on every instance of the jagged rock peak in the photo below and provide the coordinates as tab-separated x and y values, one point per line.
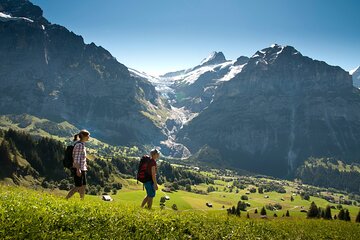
22	9
241	60
213	58
273	52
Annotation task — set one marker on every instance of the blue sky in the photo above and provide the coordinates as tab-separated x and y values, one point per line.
158	36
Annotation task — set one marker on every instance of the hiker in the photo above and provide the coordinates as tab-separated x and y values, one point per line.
151	185
79	165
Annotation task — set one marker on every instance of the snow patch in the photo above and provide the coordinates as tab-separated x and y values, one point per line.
354	70
234	70
3	15
160	84
209	58
182	114
6	17
282	48
136	73
192	76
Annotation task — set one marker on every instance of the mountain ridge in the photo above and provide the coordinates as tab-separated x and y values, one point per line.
260	119
48	71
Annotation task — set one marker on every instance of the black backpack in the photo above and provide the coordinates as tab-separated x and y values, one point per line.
68	156
143	174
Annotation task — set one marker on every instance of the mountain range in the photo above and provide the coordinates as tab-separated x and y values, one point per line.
281	109
266	113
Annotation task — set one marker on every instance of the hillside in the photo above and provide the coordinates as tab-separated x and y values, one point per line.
330	173
30	160
36	162
37	126
63	131
186	187
44	215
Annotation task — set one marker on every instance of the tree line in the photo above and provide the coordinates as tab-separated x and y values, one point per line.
45	155
319	175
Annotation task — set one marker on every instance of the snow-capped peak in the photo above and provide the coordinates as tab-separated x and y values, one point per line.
213	58
270	54
355	70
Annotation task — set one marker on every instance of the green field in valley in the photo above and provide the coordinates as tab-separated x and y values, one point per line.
221	200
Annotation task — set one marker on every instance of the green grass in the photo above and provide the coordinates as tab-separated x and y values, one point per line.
132	193
29	214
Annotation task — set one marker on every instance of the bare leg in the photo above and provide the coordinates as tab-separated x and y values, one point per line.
150	201
82	191
144	202
72	192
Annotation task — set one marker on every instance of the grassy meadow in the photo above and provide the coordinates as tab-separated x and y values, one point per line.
45	214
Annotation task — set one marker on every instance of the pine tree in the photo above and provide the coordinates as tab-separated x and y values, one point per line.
358	218
228	211
233	210
341	215
335	217
313	211
328	213
5	160
322	214
263	211
347	215
237	211
242	205
292	199
287	213
256	211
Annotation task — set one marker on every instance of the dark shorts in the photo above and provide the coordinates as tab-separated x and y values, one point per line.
79	181
150	190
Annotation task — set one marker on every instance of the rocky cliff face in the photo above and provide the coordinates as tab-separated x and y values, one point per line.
48	71
356	77
281	109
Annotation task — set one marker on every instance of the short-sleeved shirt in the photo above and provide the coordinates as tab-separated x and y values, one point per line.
79	155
